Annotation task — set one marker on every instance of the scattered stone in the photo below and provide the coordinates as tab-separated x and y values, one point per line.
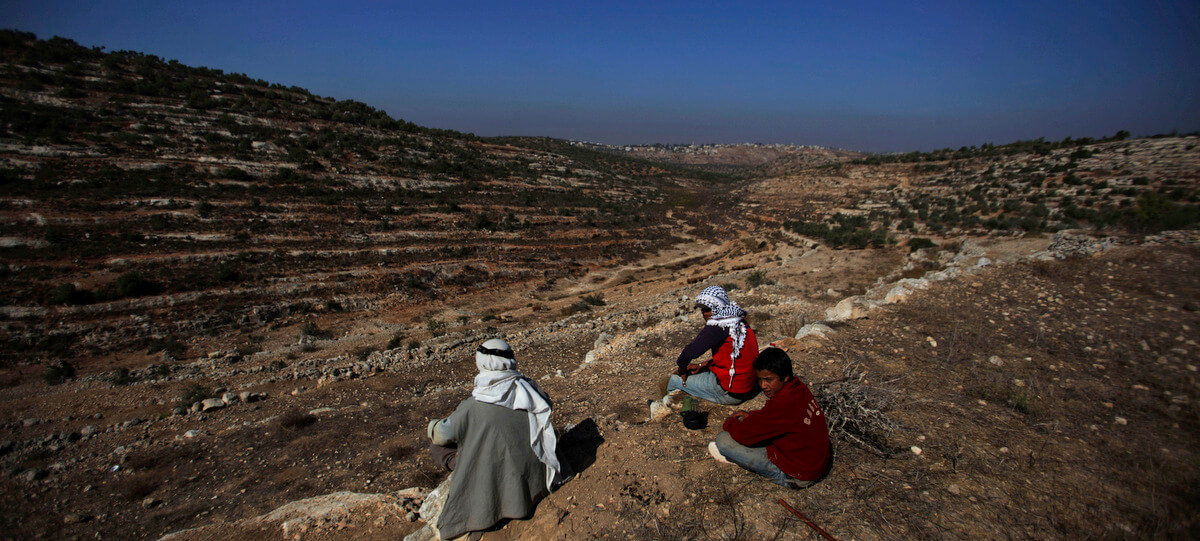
30	421
191	433
151	502
1121	421
32	474
954	489
995	360
819	329
74	518
211	404
89	431
915	450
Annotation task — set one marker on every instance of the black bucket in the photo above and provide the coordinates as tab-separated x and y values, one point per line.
694	420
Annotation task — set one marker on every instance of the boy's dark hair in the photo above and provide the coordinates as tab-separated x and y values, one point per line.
775	360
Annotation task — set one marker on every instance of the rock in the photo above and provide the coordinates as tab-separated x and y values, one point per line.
89	431
30	421
602	340
179	411
896	294
983	262
590	357
151	502
915	450
849	308
818	329
191	433
230	398
995	360
32	474
211	404
74	518
954	489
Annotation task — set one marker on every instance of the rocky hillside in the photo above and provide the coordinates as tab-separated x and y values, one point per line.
230	314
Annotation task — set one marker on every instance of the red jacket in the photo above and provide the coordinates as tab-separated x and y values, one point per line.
716	339
793	429
736	375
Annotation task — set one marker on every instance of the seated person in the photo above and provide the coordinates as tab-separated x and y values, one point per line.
728	378
500	445
787	441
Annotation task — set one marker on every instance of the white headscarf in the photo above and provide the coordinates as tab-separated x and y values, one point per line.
501	384
726	315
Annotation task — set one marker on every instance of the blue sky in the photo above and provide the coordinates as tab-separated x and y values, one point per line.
876	76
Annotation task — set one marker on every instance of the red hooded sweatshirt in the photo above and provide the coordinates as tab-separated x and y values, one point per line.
792	428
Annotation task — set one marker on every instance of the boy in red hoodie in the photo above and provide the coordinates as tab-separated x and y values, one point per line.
787	441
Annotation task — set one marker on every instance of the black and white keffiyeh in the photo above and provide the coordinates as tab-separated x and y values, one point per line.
726	314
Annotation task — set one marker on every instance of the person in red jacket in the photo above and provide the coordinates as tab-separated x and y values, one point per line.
728	378
788	440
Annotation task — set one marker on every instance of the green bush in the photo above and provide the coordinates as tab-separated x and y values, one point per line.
593	300
920	243
758	278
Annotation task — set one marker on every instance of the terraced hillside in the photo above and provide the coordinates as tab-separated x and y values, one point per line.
231	307
137	186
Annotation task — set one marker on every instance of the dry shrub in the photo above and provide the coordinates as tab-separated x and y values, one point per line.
857	412
296	420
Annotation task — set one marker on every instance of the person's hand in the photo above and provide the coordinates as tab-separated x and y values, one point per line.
740	415
696	368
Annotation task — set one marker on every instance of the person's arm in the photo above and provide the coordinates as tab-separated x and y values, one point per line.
754	427
710	337
440	432
445	431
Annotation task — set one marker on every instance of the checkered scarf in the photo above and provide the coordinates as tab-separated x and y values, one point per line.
726	315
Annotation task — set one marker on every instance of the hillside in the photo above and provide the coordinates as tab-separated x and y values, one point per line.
232	306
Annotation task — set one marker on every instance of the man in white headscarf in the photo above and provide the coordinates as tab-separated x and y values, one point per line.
727	378
500	445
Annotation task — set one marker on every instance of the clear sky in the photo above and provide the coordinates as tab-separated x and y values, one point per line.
876	76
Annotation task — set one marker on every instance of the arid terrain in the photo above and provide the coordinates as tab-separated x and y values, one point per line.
231	307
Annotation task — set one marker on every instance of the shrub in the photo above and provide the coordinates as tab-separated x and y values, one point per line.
194	393
395	342
758	278
132	284
435	327
311	330
69	294
59	372
277	365
296	420
121	376
170	345
593	300
920	243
